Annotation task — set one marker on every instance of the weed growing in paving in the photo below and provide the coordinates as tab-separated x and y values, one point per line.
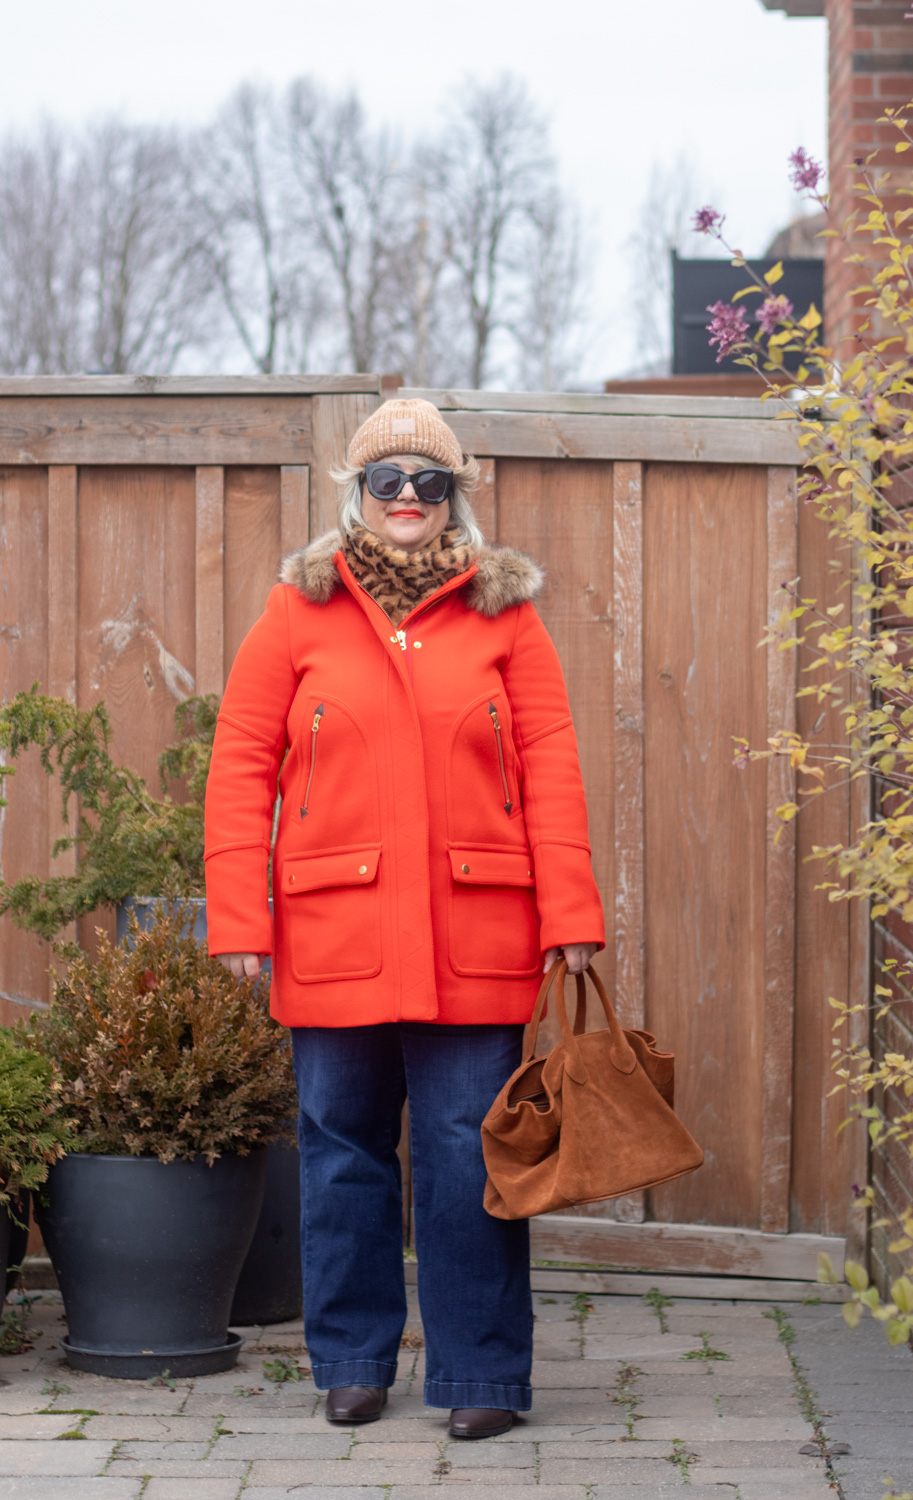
166	1378
682	1458
248	1390
412	1340
55	1388
808	1399
285	1368
581	1307
705	1353
659	1302
625	1395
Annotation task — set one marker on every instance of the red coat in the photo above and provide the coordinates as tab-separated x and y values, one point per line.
432	838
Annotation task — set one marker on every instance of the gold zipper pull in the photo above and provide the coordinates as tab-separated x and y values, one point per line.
496	724
315	727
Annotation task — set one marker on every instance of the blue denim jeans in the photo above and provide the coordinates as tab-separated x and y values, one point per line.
473	1270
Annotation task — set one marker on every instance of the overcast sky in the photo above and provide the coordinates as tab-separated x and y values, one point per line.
626	83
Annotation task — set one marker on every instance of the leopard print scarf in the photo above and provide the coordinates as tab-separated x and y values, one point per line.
400	580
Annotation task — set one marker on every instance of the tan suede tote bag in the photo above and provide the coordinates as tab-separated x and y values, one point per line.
592	1119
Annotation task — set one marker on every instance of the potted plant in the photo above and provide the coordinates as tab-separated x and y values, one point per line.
175	1077
137	850
33	1134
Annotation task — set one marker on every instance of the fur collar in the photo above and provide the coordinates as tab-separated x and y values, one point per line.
505	577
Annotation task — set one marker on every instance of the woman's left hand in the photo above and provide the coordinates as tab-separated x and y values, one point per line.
578	956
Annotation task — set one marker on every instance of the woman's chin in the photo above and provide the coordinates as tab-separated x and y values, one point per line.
406	533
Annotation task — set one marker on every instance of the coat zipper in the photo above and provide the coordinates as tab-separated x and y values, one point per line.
315	729
508	805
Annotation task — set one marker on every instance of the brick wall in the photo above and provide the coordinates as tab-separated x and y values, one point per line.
870	68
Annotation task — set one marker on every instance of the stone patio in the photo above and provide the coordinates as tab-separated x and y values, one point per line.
723	1399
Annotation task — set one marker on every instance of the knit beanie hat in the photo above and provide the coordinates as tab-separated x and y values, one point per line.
405	426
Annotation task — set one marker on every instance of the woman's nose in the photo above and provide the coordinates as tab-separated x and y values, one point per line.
407	492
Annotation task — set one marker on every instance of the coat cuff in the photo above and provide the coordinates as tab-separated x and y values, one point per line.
570	907
235	924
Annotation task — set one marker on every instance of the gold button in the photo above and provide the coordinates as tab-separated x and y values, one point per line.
362	869
393	639
465	869
417	645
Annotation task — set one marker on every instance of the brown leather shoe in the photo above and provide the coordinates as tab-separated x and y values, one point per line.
355	1403
480	1422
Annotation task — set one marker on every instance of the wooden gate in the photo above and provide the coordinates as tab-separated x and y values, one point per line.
141	525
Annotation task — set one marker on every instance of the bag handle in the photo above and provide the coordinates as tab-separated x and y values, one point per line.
620	1051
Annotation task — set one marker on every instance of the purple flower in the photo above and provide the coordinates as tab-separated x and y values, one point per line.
707	221
807	172
728	328
774	310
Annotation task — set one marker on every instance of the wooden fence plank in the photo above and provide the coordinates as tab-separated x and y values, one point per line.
780	885
705	1249
705	583
30	386
334	420
295	516
485	500
628	691
253	546
210	579
682	440
63	636
621	404
157	429
25	840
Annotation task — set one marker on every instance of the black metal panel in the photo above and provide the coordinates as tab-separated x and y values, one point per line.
696	284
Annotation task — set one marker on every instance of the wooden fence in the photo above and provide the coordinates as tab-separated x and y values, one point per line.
142	522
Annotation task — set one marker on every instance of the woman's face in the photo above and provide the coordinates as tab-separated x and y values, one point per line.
405	522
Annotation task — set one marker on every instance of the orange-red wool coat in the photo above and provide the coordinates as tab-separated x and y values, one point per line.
414	878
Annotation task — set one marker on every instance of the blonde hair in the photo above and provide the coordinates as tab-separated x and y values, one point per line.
465	480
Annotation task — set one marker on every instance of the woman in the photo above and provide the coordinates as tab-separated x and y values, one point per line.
431	853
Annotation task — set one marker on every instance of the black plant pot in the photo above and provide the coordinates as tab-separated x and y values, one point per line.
269	1287
147	1255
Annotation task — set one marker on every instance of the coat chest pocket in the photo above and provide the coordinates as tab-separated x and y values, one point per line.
494	923
332	912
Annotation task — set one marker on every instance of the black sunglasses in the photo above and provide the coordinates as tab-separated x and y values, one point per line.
386	481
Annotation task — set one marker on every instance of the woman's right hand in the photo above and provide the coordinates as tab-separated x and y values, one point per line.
242	965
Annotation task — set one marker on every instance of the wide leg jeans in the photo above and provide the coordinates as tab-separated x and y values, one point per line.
473	1270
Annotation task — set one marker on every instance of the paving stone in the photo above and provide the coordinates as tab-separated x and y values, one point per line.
32	1488
203	1489
153	1429
818	1489
278	1472
489	1455
861	1479
171	1468
38	1426
374	1451
143	1452
316	1426
327	1444
43	1457
586	1470
728	1429
663	1492
748	1455
321	1492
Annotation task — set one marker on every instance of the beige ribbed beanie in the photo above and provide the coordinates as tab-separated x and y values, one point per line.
402	426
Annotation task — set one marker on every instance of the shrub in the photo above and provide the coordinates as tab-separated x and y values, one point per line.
130	842
160	1050
33	1132
857	431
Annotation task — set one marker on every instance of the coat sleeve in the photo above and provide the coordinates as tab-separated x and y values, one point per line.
249	747
554	802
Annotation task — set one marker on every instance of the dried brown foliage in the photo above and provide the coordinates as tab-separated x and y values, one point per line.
160	1051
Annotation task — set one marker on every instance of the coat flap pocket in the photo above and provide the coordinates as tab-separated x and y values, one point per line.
492	866
315	872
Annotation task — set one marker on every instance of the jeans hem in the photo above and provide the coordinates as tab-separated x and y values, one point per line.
354	1372
462	1393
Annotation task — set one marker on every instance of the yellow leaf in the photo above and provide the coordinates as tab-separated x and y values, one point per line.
902	146
812	319
826	1272
852	1313
856	1275
773	275
902	1293
897	1332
